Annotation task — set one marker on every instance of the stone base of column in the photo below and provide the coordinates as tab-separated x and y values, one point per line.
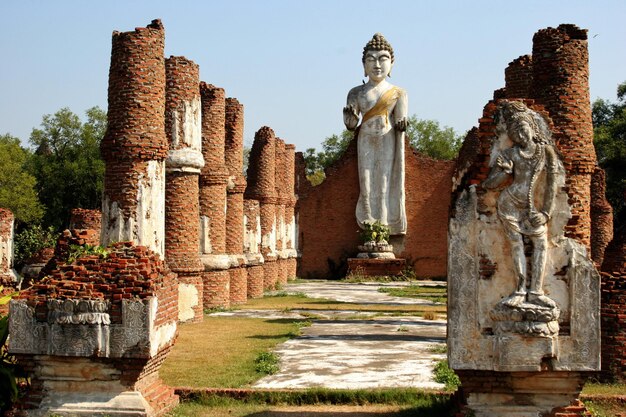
292	268
190	298
71	386
521	394
270	275
255	281
216	291
238	286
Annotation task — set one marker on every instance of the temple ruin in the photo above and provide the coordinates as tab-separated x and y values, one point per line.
187	231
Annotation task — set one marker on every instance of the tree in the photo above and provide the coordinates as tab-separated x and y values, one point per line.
67	163
333	147
429	138
609	132
17	186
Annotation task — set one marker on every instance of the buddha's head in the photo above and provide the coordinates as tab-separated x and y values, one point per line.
377	58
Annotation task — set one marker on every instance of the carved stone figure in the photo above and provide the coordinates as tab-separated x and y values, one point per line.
383	110
525	206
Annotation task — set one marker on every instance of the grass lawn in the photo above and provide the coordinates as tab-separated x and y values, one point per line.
220	351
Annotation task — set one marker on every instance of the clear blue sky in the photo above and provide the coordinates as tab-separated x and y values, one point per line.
291	63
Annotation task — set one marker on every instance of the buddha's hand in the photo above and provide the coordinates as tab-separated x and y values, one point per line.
537	218
505	165
350	111
401	125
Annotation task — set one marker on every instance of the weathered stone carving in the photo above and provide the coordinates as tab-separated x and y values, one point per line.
524	208
383	110
522	295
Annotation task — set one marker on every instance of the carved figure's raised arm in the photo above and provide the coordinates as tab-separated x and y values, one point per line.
351	110
499	172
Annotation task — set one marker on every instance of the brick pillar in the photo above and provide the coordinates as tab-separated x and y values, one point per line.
519	77
86	219
134	146
280	174
561	83
97	330
183	165
252	247
601	217
261	186
233	155
7	223
290	217
302	188
86	226
613	310
213	182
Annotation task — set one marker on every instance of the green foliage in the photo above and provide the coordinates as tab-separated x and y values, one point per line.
8	369
332	148
67	163
17	186
31	239
376	232
445	375
266	363
609	131
429	138
78	251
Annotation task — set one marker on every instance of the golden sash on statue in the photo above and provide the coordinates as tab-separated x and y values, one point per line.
381	108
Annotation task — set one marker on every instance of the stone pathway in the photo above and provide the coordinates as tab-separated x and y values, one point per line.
377	351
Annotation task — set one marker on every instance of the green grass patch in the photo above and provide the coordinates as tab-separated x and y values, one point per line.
443	348
266	363
445	375
320	402
221	351
597	388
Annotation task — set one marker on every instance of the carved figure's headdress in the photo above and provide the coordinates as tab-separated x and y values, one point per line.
378	43
516	112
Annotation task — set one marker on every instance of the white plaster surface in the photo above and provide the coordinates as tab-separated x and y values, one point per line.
187	300
355	349
146	226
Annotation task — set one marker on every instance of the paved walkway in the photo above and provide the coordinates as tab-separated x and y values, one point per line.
372	352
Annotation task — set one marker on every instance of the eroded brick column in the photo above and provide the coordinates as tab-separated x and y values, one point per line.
281	200
261	187
613	310
252	247
134	146
601	217
7	222
213	182
290	217
183	165
233	155
561	83
519	77
85	219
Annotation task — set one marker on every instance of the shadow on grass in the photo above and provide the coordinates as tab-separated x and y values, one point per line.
409	412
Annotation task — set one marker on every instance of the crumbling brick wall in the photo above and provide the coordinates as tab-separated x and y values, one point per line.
183	165
134	146
613	310
85	219
327	230
262	187
128	273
